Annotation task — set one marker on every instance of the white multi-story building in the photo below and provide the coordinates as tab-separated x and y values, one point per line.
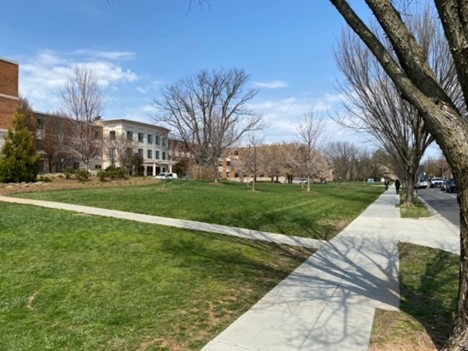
149	141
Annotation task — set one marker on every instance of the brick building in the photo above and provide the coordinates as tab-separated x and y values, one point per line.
9	95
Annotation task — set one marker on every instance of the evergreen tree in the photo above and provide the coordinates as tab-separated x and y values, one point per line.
18	157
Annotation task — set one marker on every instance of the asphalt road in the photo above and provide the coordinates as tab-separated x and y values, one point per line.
444	203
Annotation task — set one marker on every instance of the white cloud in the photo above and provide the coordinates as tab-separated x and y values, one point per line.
44	75
150	88
284	116
107	55
276	84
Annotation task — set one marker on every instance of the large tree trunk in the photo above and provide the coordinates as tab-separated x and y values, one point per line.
459	338
411	171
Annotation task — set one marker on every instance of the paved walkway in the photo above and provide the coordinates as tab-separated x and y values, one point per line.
327	303
171	222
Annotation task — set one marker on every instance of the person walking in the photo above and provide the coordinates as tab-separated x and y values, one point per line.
397	186
387	183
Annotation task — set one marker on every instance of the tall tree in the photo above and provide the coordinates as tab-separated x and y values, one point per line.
209	112
342	155
376	105
274	161
311	134
252	157
443	118
18	157
83	102
118	149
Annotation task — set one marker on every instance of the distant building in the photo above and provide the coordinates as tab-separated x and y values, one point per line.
123	137
9	95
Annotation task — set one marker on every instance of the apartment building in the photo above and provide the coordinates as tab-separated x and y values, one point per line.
9	95
122	137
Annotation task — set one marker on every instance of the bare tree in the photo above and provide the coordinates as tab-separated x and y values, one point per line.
274	160
309	159
252	156
119	149
209	113
376	105
55	133
342	155
443	117
83	101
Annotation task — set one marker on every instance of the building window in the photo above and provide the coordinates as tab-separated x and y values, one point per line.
164	141
112	152
236	153
140	152
97	167
40	122
163	155
141	136
157	155
150	138
129	135
157	139
112	135
39	145
150	153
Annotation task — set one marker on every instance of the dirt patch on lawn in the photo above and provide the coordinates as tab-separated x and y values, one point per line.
60	183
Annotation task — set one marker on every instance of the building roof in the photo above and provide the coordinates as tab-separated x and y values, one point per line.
9	61
129	121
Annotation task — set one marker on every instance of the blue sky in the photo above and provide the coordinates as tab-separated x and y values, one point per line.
136	47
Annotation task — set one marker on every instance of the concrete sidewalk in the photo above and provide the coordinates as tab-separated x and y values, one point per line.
329	302
172	222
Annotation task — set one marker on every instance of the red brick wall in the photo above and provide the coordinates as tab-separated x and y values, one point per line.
8	92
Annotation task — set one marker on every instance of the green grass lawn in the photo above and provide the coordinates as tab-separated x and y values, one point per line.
429	285
77	282
418	210
278	208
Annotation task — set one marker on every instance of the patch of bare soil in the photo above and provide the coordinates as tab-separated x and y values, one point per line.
393	331
60	183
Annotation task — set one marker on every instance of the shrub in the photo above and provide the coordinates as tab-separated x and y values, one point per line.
102	175
116	172
82	175
45	179
69	173
121	173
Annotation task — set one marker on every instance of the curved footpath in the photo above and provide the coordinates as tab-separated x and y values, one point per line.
327	303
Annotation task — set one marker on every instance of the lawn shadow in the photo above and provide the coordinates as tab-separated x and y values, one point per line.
198	248
430	297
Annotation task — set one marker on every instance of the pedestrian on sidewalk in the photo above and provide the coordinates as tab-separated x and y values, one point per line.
397	186
387	183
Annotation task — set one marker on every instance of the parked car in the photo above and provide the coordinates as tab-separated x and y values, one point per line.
443	186
451	186
436	182
166	175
